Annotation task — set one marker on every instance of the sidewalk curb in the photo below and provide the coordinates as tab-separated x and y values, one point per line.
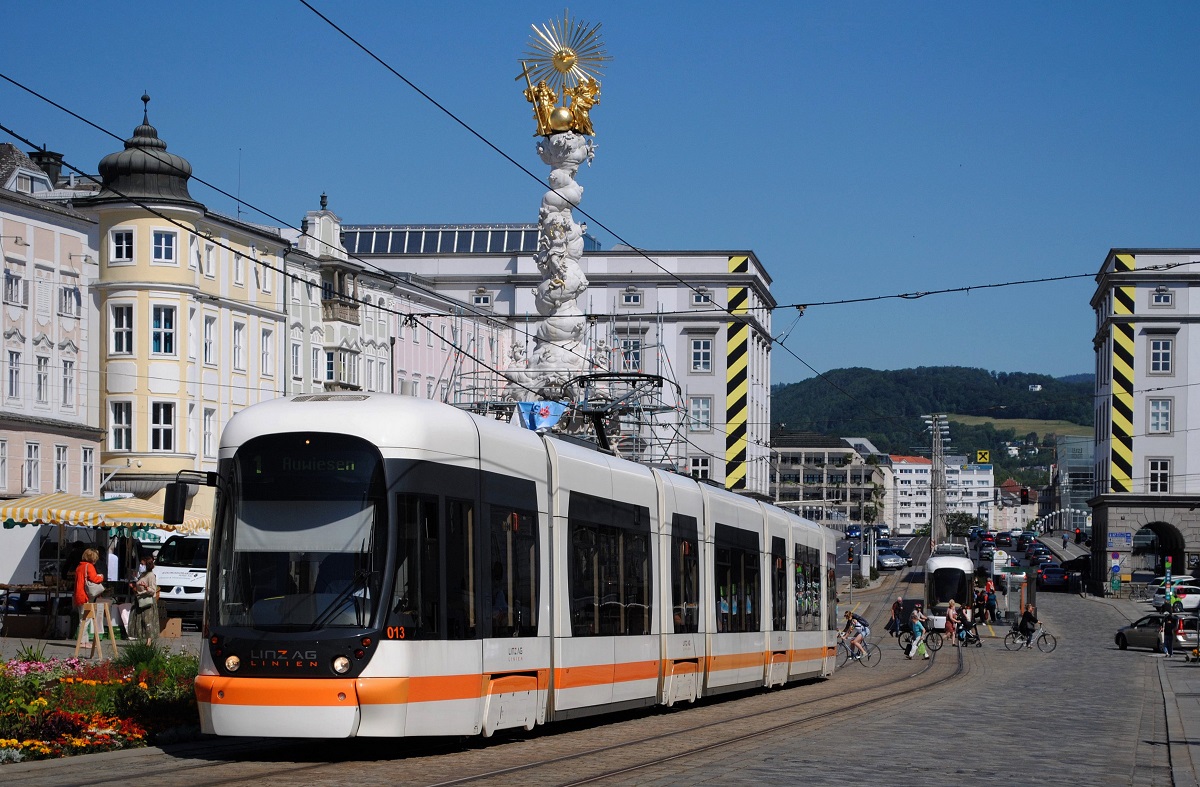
1183	768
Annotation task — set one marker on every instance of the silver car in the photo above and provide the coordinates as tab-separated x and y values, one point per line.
1143	633
890	560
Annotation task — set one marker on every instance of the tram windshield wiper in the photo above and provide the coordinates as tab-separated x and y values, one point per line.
357	583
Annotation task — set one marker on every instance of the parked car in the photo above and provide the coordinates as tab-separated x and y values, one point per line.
1052	577
853	531
1186	597
1143	633
890	560
904	554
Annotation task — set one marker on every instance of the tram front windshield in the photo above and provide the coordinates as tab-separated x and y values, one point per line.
949	583
301	534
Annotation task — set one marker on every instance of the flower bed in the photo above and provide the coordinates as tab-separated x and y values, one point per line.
58	707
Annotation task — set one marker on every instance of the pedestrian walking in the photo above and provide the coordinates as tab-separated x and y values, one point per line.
1170	623
917	622
991	604
952	621
896	623
1066	538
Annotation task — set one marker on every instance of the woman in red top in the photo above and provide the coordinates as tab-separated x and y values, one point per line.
85	572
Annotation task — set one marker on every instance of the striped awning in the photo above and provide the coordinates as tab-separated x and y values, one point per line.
61	508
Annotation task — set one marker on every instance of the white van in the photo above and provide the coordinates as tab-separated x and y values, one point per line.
182	572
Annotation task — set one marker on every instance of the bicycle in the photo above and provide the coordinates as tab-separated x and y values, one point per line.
933	640
1015	640
872	657
1140	592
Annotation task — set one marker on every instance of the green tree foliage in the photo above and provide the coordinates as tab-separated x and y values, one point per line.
958	523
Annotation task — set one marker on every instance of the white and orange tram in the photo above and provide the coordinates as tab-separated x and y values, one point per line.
390	566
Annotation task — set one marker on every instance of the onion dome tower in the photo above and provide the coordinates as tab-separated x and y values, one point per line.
144	170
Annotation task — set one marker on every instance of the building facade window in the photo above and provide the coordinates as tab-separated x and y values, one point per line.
1158	476
698	467
482	301
267	357
701	299
42	379
210	330
162	426
701	355
239	346
208	441
631	298
209	255
700	412
162	333
13	389
3	464
330	368
631	354
122	329
296	370
1162	297
69	301
33	467
1161	355
239	273
121	249
87	470
16	289
316	364
1160	416
163	252
60	468
120	430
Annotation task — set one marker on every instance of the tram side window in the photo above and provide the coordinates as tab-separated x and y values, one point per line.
808	588
737	579
778	584
610	574
513	588
831	592
685	575
460	570
415	600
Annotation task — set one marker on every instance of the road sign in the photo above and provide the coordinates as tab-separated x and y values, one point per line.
983	457
1120	540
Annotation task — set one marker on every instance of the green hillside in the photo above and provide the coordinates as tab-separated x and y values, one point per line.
991	408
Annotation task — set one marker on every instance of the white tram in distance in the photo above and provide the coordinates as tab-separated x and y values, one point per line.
390	566
949	574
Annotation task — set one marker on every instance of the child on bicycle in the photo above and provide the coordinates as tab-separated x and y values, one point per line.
855	632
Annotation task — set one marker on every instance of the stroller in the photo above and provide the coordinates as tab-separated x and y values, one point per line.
968	633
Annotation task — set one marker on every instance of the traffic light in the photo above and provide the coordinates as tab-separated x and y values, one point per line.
850	554
1024	495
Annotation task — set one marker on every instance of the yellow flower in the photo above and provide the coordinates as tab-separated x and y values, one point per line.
142	685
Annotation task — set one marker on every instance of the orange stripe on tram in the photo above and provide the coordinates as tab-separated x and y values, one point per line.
736	661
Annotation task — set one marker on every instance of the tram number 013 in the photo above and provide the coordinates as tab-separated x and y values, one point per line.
394	632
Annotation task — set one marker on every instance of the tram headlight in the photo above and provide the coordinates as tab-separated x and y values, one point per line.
232	663
341	664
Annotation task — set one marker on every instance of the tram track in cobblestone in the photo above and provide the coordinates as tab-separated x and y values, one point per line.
740	736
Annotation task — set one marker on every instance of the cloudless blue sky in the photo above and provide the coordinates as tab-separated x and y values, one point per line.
859	149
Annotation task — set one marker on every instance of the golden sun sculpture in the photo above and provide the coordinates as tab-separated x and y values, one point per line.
564	60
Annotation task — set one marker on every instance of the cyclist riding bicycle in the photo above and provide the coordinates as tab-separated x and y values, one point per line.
1028	624
856	631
